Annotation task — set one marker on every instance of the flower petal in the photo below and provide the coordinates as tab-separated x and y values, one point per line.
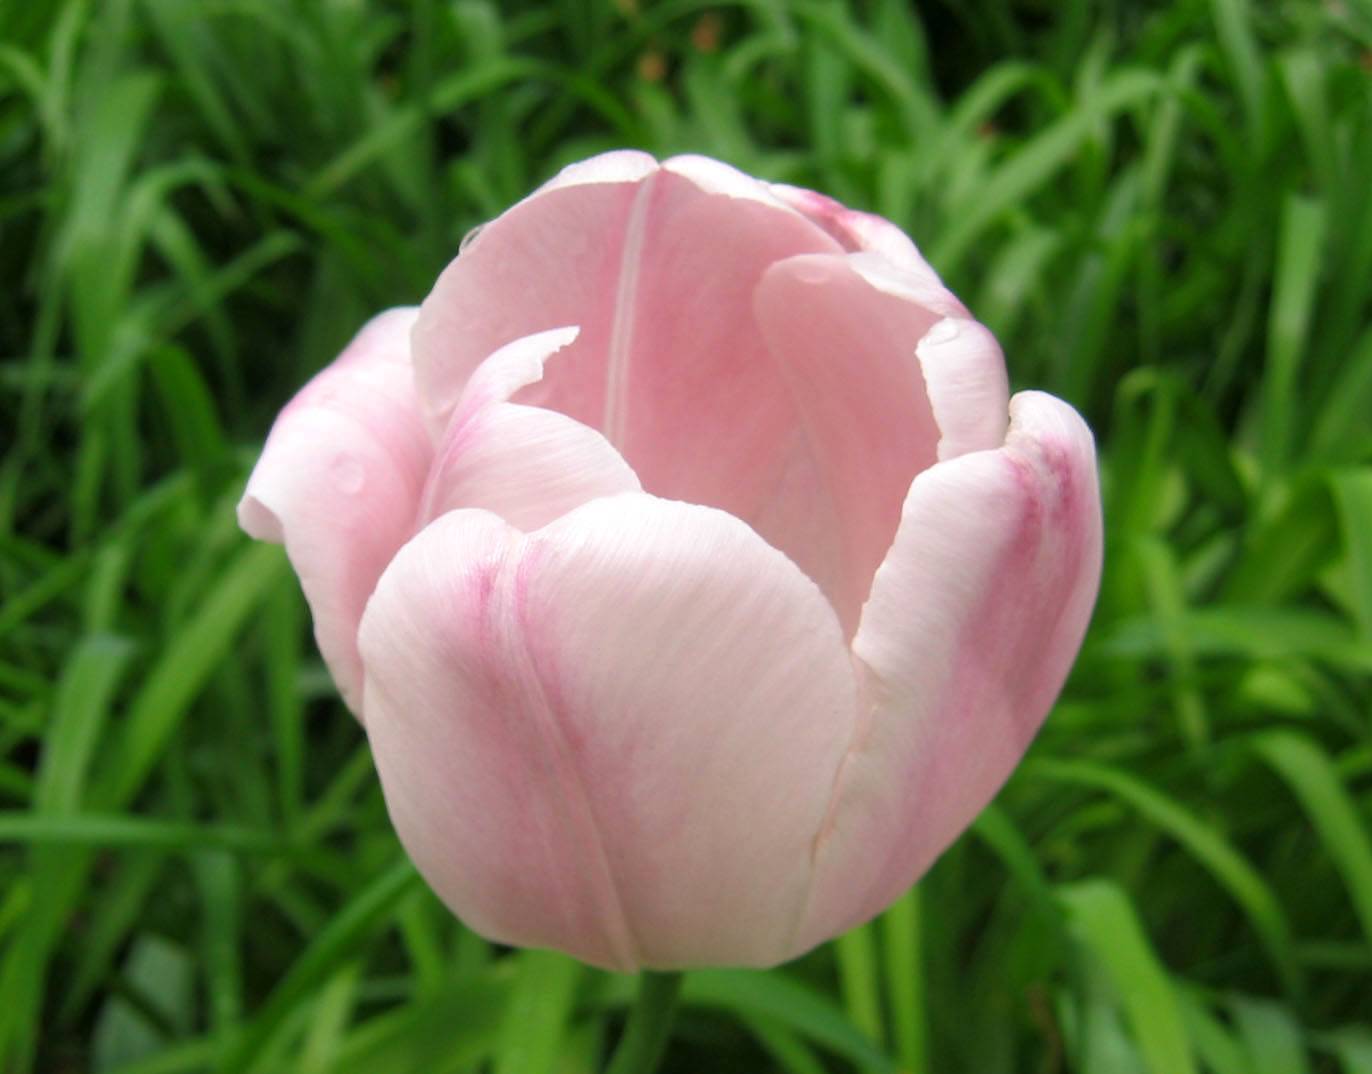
715	177
615	736
964	373
551	260
616	166
973	623
515	365
893	250
523	463
847	355
671	364
338	483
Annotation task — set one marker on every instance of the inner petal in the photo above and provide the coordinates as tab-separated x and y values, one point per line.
529	465
846	352
679	378
726	366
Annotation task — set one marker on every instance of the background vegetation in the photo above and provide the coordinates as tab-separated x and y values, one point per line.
1162	209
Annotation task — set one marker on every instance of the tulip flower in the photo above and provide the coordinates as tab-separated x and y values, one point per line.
693	573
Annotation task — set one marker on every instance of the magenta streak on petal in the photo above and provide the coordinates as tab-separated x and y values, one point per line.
1008	601
954	757
530	669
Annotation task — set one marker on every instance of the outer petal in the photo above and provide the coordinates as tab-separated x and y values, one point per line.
716	177
338	483
616	166
526	464
863	232
615	736
973	623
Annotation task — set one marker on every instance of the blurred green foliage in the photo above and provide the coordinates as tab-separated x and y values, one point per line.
1162	209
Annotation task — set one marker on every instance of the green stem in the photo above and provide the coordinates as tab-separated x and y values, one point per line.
650	1024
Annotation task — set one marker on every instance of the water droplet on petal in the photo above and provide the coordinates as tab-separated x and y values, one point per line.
469	238
944	331
812	273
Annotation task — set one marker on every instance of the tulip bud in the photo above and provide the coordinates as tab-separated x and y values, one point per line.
694	575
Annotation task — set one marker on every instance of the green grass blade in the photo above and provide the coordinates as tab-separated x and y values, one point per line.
789	1003
1353	1046
123	830
903	947
80	712
1353	499
856	951
1233	22
1112	931
1272	1036
536	1016
1315	781
1209	847
186	664
1035	164
1298	261
363	914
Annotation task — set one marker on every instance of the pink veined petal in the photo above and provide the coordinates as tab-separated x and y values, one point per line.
618	166
882	387
525	464
847	356
892	249
339	481
964	374
686	388
551	260
615	736
973	623
671	364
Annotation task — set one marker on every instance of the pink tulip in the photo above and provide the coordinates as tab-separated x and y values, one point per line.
693	572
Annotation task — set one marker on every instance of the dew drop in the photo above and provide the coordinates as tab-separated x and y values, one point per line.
812	273
469	238
945	331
